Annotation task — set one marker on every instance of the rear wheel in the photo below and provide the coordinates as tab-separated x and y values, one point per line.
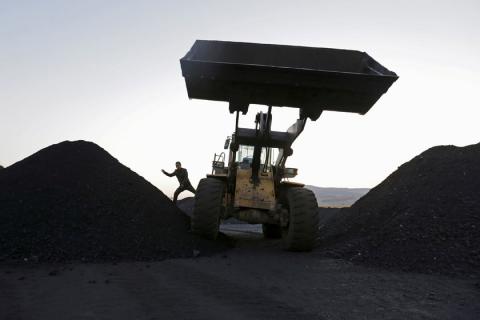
302	230
208	208
271	231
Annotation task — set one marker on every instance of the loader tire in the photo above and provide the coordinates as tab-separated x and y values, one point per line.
271	231
208	208
302	230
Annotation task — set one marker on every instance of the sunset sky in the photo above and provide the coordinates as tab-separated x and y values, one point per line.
109	72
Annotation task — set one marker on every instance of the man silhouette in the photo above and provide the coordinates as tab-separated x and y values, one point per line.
182	176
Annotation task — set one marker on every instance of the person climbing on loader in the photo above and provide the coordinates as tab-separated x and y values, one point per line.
182	176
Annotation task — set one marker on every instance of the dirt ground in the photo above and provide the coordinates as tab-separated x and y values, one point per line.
255	280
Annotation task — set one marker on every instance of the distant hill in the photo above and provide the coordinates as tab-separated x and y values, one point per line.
337	197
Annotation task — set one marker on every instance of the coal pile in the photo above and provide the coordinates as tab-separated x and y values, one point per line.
74	201
425	217
186	205
326	214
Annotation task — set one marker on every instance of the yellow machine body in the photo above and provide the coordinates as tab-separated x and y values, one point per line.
261	196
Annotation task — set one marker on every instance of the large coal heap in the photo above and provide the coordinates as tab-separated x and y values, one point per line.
424	217
74	201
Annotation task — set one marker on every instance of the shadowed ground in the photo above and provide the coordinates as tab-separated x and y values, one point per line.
255	280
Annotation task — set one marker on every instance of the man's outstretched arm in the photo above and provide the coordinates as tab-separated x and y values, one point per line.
168	174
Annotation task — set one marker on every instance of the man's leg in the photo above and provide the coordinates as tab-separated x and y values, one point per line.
191	189
177	192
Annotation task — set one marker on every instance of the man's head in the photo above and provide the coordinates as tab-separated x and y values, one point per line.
178	164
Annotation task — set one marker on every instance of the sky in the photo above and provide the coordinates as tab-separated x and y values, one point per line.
109	72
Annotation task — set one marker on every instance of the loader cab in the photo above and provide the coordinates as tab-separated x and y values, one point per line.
244	157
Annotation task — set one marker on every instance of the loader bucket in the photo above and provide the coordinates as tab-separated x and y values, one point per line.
313	79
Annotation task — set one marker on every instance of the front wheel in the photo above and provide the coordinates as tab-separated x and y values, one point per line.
208	208
302	229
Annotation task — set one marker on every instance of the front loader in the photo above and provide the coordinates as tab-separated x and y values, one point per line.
252	184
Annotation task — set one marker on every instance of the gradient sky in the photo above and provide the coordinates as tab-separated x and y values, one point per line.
109	72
